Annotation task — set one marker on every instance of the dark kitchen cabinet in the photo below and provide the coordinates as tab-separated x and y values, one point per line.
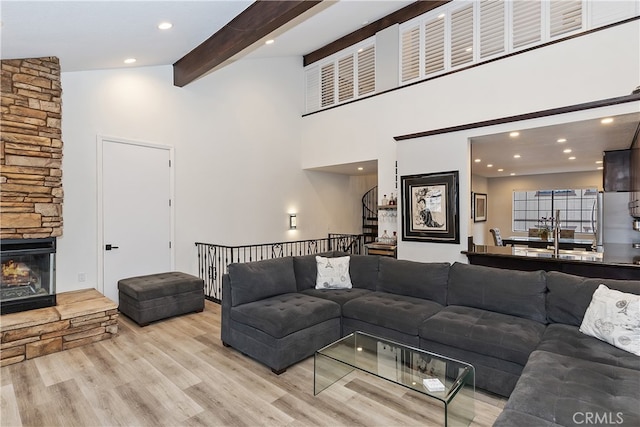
617	170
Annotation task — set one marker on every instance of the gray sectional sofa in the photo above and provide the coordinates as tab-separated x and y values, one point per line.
518	329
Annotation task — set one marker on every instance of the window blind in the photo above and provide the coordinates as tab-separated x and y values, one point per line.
327	76
366	70
565	16
526	22
462	36
345	78
491	27
410	54
434	46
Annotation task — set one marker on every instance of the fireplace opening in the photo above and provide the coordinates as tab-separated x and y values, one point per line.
28	275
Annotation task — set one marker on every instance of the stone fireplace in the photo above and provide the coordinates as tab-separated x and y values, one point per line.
31	220
30	180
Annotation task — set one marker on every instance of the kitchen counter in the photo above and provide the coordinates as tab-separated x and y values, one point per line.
617	261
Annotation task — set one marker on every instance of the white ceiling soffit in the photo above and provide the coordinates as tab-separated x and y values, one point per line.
541	153
369	167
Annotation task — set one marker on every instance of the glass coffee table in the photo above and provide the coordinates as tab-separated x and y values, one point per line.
404	365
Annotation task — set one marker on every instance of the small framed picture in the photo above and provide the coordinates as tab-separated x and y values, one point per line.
479	207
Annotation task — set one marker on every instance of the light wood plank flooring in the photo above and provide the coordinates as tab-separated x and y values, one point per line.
177	373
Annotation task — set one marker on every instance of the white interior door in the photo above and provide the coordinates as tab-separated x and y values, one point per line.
136	212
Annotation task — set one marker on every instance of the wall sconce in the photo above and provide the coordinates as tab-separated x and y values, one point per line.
293	221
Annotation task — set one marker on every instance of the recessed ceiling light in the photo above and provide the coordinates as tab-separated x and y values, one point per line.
561	140
489	165
130	60
360	168
516	156
270	41
572	158
598	162
500	170
607	120
477	160
567	150
600	168
512	173
165	25
514	134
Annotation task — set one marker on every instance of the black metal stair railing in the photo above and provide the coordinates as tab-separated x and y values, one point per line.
214	259
370	215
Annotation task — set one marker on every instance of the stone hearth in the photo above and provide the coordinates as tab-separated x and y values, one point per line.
79	318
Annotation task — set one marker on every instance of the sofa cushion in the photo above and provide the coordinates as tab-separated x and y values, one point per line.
519	293
493	334
569	341
414	279
284	314
306	270
614	317
341	296
511	418
569	295
364	271
254	281
398	312
564	390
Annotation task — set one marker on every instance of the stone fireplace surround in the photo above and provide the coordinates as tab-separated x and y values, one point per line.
31	149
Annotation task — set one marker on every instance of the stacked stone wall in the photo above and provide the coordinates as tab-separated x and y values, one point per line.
30	149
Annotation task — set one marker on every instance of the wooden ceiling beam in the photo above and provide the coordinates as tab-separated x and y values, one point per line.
401	15
257	21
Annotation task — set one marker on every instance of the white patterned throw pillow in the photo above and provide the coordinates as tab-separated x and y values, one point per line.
333	273
614	317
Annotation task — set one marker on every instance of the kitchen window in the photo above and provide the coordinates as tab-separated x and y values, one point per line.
536	208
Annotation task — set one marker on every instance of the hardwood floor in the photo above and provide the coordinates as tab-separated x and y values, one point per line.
177	373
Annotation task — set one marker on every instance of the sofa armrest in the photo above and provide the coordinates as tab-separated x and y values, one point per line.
225	329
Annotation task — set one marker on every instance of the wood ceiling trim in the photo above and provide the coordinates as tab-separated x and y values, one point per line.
402	15
257	21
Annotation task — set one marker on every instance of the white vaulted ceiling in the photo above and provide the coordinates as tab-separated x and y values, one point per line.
91	35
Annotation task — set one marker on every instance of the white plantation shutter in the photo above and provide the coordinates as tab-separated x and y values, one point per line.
565	16
603	13
366	70
527	22
327	75
491	27
345	78
462	36
312	77
410	54
434	46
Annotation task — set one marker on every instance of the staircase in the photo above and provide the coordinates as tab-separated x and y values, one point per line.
370	215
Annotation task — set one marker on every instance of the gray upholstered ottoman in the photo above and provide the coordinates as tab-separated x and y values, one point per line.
157	296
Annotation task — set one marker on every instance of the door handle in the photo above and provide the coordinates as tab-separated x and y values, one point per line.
109	247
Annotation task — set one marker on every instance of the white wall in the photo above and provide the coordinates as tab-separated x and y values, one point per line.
236	135
575	71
